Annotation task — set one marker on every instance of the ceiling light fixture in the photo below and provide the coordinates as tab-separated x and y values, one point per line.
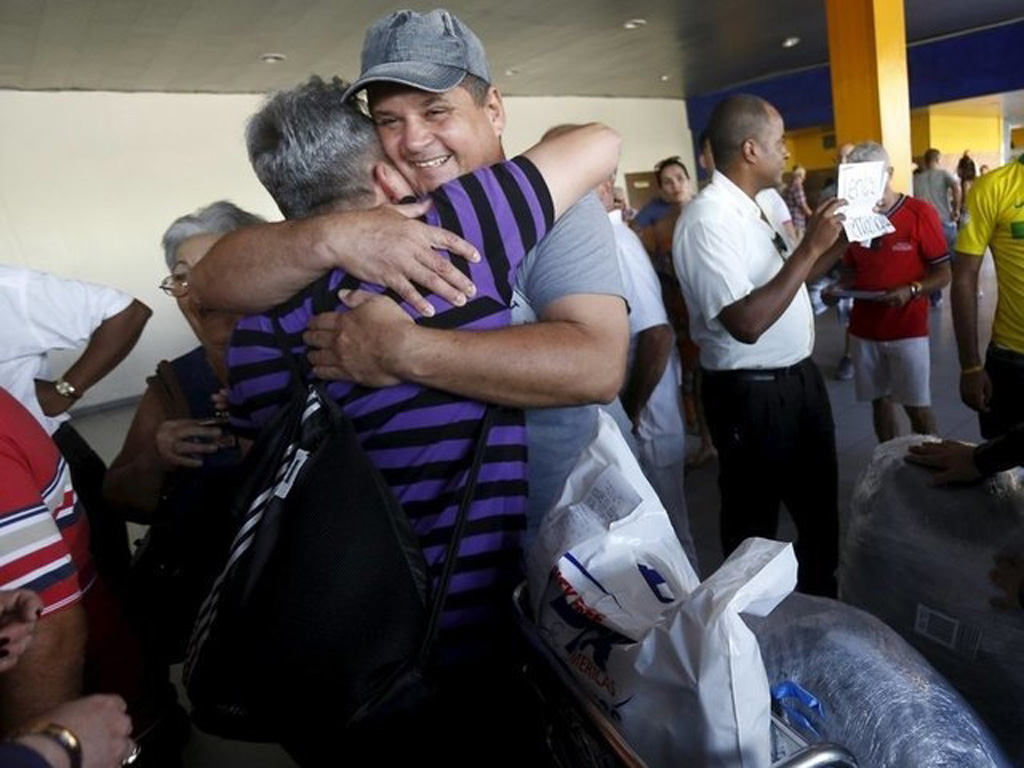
665	78
511	72
789	42
273	58
634	23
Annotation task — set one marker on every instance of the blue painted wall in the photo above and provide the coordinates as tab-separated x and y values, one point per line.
974	64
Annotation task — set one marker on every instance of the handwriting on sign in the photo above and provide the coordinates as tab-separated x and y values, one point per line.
862	185
864	228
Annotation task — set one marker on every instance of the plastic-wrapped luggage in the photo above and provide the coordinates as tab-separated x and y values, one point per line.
917	556
874	694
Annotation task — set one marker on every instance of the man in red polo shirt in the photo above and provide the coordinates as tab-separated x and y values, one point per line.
889	331
44	546
82	642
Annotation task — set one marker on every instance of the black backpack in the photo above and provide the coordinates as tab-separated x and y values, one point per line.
322	621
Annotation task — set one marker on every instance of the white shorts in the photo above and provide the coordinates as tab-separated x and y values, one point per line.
900	369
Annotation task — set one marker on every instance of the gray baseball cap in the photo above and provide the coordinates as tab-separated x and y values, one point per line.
430	51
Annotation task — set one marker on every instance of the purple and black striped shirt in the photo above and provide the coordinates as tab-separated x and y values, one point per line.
422	439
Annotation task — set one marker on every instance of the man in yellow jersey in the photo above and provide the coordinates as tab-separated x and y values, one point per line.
995	219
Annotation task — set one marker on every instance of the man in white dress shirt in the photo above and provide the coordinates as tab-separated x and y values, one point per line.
765	400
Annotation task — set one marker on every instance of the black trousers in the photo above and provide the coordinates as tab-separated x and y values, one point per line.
1005	370
775	438
108	533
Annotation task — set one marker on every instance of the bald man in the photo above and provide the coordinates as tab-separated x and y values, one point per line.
765	400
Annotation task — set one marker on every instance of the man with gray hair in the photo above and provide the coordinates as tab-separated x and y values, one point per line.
438	116
889	331
301	144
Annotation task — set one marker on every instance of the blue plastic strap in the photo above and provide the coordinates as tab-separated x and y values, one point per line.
788	689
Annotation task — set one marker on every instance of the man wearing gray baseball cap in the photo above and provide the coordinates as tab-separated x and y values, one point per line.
568	347
428	91
428	51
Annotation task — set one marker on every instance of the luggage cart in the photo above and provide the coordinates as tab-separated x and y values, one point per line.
579	734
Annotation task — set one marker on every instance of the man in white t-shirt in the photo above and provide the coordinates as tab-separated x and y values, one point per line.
651	393
42	313
765	400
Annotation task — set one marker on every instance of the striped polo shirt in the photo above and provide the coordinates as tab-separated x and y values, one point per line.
422	439
44	534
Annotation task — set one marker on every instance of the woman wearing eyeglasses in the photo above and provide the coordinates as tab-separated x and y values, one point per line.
176	469
177	425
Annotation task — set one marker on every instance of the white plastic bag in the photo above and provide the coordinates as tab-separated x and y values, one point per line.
610	537
668	658
693	689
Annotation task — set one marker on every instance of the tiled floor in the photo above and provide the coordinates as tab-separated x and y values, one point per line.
854	438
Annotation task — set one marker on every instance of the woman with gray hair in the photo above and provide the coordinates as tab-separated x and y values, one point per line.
172	428
177	467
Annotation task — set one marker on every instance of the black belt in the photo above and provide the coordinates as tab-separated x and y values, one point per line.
1006	355
757	374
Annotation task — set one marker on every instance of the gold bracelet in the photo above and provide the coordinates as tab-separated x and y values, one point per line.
64	737
972	369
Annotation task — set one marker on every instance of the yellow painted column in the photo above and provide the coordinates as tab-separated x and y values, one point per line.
867	43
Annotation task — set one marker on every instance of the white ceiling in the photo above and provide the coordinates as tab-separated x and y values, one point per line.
550	47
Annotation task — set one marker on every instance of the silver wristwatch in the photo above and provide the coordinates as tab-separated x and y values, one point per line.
66	389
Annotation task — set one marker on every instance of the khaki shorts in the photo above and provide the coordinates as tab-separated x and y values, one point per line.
899	369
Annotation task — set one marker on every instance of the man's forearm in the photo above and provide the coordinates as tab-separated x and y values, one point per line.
1004	452
552	363
49	672
936	278
109	344
823	264
755	313
254	269
653	347
964	296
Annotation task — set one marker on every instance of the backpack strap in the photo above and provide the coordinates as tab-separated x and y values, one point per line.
434	620
300	370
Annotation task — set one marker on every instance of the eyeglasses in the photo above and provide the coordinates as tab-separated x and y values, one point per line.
175	284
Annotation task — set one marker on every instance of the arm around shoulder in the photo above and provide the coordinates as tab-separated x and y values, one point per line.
254	269
575	160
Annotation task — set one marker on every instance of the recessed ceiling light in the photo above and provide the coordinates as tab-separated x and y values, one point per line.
634	23
665	78
789	42
511	72
273	58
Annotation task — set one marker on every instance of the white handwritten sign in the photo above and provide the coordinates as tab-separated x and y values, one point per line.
862	186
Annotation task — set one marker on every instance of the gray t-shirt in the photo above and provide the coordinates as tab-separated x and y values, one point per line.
935	185
577	256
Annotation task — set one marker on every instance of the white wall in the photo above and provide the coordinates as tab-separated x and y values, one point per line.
652	129
91	180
